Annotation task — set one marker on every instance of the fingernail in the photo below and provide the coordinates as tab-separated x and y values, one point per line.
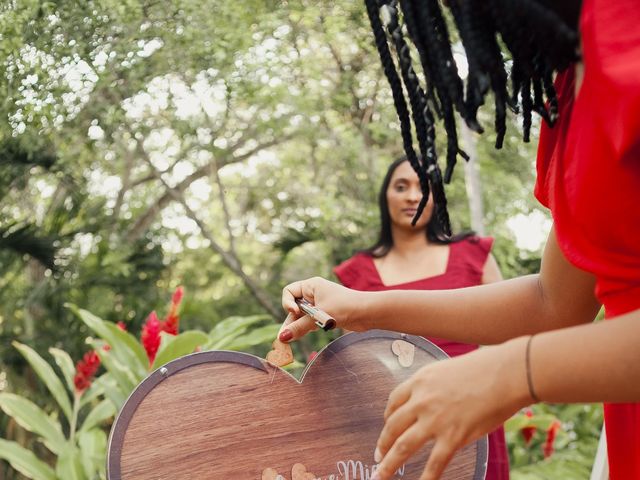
375	476
285	335
377	456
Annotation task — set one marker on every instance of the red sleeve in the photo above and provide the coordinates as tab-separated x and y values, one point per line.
605	120
473	252
349	271
552	140
611	45
589	164
483	248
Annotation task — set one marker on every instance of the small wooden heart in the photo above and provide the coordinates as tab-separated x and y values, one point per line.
230	415
405	352
299	472
270	474
281	354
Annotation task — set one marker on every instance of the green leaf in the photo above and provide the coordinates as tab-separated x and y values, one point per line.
94	391
124	346
518	422
293	365
112	390
254	337
172	347
228	329
124	377
65	363
515	423
101	412
32	418
25	461
48	376
542	422
93	446
126	338
69	464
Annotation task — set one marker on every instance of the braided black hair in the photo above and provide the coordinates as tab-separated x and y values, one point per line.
538	40
391	73
423	120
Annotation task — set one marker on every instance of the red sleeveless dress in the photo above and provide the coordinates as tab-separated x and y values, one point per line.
589	177
464	269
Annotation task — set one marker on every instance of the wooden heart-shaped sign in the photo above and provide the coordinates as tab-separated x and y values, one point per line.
221	415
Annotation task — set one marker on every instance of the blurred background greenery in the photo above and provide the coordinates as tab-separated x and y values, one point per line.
228	147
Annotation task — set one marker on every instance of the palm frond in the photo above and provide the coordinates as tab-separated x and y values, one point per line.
24	240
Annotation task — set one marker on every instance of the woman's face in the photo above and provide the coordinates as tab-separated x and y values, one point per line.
403	196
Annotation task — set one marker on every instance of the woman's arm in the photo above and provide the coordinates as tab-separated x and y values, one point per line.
585	363
560	296
599	362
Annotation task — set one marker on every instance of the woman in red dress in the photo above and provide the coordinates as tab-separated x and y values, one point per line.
546	344
418	257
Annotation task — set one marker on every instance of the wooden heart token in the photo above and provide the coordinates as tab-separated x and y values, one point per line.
299	472
281	354
270	474
404	351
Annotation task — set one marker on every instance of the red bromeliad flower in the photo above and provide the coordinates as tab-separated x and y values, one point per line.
170	325
547	448
153	326
177	296
150	336
528	432
85	371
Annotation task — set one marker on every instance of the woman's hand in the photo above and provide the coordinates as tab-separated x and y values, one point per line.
342	303
452	403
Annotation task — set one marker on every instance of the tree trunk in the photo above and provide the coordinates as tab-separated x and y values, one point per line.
472	181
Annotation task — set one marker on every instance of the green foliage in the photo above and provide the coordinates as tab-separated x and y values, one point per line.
80	452
31	417
226	333
25	461
125	349
48	376
64	440
172	347
574	448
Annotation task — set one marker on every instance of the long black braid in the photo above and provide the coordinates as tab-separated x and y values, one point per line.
423	120
391	73
538	41
434	35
